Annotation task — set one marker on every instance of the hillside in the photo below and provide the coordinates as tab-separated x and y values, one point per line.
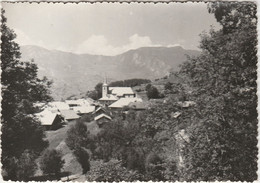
77	73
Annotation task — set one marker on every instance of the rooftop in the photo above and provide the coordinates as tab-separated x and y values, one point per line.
102	116
120	91
69	114
46	117
109	97
124	102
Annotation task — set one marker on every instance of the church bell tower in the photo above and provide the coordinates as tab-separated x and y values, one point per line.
104	88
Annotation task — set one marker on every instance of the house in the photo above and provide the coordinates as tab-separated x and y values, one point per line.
50	120
69	115
58	105
79	102
120	92
99	111
101	119
81	110
122	102
137	105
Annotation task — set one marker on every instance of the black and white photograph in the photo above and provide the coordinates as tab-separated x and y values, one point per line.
113	92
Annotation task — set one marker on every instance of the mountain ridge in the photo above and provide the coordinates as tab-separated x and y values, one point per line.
74	73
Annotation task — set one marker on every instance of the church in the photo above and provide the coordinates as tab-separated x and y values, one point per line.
111	95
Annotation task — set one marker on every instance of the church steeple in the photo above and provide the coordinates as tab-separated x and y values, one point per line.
105	87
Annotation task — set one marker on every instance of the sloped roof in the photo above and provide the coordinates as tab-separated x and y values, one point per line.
69	114
137	105
124	102
98	109
59	105
102	116
84	109
120	91
79	102
46	117
109	97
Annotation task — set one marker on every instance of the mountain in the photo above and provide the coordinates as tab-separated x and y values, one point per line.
77	73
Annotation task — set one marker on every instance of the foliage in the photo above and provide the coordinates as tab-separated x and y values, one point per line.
148	86
26	166
82	156
21	87
224	79
78	140
113	171
153	93
154	167
129	83
51	162
78	136
86	118
98	89
97	93
168	86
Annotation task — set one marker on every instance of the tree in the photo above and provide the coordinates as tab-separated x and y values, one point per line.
79	140
224	82
21	87
98	89
51	162
82	156
147	87
26	166
152	92
168	86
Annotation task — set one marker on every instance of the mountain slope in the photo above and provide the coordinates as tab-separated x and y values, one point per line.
77	73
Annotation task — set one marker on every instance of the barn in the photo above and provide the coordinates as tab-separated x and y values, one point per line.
50	120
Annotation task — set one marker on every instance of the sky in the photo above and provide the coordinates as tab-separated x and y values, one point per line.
108	28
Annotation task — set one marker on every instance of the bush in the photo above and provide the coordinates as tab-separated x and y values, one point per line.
51	162
112	171
153	167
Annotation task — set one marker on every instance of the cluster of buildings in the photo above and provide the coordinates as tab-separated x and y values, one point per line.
55	114
119	97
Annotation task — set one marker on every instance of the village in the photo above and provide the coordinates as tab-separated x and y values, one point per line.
179	102
56	114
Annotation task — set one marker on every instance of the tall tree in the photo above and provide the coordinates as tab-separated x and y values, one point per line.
79	140
223	142
21	87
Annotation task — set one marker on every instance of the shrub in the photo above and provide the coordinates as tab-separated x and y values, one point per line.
153	167
112	171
